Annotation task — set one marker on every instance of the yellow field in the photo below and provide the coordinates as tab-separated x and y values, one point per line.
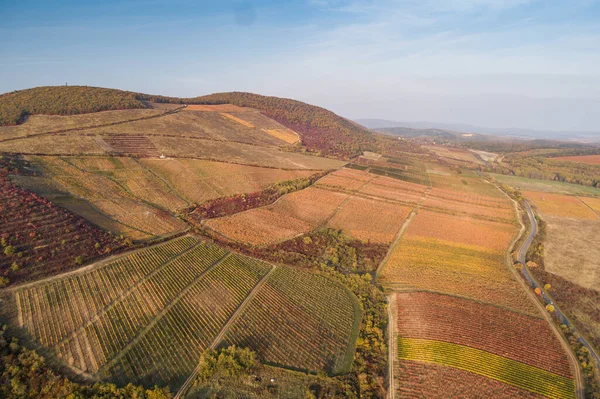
283	134
489	365
593	203
457	269
561	205
238	120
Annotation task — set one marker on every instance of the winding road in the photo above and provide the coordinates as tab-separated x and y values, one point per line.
534	284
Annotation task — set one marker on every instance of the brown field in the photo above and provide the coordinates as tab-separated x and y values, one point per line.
238	120
465	196
515	336
408	197
416	380
291	215
198	181
370	220
354	174
335	180
399	184
217	108
50	123
460	208
54	145
454	154
587	159
459	229
561	205
572	250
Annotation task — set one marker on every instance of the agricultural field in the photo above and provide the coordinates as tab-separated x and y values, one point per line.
587	159
504	214
293	214
146	317
365	206
457	154
417	379
455	269
548	186
37	124
290	322
38	238
112	198
492	366
572	250
567	206
462	230
512	335
136	197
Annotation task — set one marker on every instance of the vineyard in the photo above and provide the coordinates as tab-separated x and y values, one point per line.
40	239
147	316
587	159
460	229
486	327
365	206
457	269
131	145
291	322
487	364
561	205
417	380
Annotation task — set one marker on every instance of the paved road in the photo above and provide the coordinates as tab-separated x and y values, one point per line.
534	284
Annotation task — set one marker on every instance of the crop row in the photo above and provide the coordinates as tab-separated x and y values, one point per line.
170	349
489	365
82	296
452	268
512	335
297	320
115	326
417	380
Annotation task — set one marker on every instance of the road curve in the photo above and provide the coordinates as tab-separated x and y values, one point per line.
534	284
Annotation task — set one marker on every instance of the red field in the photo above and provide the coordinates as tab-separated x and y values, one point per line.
588	159
416	380
41	239
508	334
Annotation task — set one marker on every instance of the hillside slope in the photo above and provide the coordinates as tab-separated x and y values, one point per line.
323	132
63	100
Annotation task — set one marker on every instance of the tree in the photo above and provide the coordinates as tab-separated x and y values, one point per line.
9	250
3	281
547	287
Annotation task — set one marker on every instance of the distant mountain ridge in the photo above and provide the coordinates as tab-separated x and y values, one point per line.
582	136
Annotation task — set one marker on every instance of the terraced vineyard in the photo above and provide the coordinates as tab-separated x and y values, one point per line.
147	316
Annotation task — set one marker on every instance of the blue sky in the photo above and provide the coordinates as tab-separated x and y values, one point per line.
495	63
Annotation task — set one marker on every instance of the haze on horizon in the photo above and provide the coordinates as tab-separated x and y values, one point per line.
492	63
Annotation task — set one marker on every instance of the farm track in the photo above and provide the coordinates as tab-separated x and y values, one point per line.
579	384
124	294
190	380
392	315
56	132
160	315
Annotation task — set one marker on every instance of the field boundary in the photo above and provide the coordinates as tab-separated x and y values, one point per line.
159	316
192	377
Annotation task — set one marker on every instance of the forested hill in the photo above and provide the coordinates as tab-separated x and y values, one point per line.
63	100
323	132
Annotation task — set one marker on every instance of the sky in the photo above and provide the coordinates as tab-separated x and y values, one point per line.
492	63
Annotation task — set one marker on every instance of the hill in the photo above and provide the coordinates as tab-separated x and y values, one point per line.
63	100
322	131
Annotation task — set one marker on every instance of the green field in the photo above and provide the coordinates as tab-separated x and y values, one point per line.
524	183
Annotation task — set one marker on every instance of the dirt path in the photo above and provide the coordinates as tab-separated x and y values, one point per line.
190	380
392	343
